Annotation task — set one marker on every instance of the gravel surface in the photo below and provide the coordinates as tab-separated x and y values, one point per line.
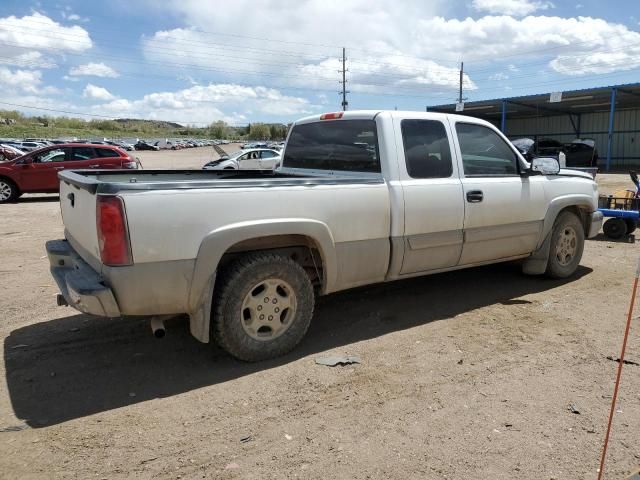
469	374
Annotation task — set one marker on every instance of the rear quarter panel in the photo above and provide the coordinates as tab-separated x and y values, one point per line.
170	225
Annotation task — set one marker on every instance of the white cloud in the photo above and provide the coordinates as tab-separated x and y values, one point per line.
22	39
29	59
207	103
499	76
21	82
27	81
580	45
417	51
94	92
292	59
517	8
94	70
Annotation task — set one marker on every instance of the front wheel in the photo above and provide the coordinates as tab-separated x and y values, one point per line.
567	245
263	306
8	191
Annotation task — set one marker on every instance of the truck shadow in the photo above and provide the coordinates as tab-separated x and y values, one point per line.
80	365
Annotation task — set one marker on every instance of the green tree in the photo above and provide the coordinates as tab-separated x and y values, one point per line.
259	131
219	129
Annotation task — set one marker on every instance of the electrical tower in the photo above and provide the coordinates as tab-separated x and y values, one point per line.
344	80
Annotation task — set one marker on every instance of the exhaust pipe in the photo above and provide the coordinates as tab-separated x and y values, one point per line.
61	301
157	326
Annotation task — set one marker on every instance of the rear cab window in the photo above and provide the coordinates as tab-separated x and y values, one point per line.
341	145
426	149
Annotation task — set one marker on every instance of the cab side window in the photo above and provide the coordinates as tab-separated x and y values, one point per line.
484	152
426	149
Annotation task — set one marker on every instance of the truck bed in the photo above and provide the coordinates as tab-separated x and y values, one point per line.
115	181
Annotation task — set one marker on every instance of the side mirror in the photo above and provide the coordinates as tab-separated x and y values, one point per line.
545	165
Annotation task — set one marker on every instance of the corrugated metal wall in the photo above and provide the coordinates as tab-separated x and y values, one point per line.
626	139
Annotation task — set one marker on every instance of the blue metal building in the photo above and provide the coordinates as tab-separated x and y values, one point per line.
609	115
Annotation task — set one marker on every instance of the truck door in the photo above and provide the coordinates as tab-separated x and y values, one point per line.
433	202
504	210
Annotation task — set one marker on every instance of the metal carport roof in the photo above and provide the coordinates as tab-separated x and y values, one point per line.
573	103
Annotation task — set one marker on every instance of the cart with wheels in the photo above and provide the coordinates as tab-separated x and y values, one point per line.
622	210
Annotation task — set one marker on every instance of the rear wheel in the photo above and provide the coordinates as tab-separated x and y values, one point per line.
263	306
631	225
567	245
8	191
615	228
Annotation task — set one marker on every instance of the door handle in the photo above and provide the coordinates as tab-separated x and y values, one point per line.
475	196
94	166
59	168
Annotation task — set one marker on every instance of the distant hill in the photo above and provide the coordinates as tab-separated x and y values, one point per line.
155	124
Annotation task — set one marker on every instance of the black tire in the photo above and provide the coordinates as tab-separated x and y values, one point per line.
567	245
228	168
232	320
631	225
615	228
8	191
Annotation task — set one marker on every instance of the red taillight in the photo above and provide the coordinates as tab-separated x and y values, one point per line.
113	236
331	116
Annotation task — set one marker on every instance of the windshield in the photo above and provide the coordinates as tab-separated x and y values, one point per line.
347	145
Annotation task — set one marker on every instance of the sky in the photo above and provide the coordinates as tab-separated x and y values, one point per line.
195	62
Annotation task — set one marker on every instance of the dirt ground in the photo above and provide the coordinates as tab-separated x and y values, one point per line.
464	375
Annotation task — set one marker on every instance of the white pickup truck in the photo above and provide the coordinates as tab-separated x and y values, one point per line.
362	197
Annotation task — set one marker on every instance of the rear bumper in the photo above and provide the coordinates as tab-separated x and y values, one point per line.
82	287
595	223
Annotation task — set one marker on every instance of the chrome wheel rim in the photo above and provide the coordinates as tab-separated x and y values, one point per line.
5	191
566	246
268	309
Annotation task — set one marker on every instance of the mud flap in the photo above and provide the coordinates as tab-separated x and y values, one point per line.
536	264
200	320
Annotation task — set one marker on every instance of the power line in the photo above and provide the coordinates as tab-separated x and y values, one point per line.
261	39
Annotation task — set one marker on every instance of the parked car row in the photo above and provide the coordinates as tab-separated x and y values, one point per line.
579	153
37	171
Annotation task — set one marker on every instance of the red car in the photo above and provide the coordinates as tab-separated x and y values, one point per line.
37	171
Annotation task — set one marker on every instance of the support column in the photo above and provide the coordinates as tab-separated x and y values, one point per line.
611	125
503	120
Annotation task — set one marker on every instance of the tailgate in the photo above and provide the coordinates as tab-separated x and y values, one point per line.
79	216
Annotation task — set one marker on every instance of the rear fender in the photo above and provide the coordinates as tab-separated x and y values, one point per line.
219	241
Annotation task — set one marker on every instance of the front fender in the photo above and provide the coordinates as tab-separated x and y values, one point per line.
580	200
219	241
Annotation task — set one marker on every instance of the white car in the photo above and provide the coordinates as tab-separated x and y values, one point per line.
251	159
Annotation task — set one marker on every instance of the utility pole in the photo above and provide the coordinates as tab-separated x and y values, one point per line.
461	75
344	79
